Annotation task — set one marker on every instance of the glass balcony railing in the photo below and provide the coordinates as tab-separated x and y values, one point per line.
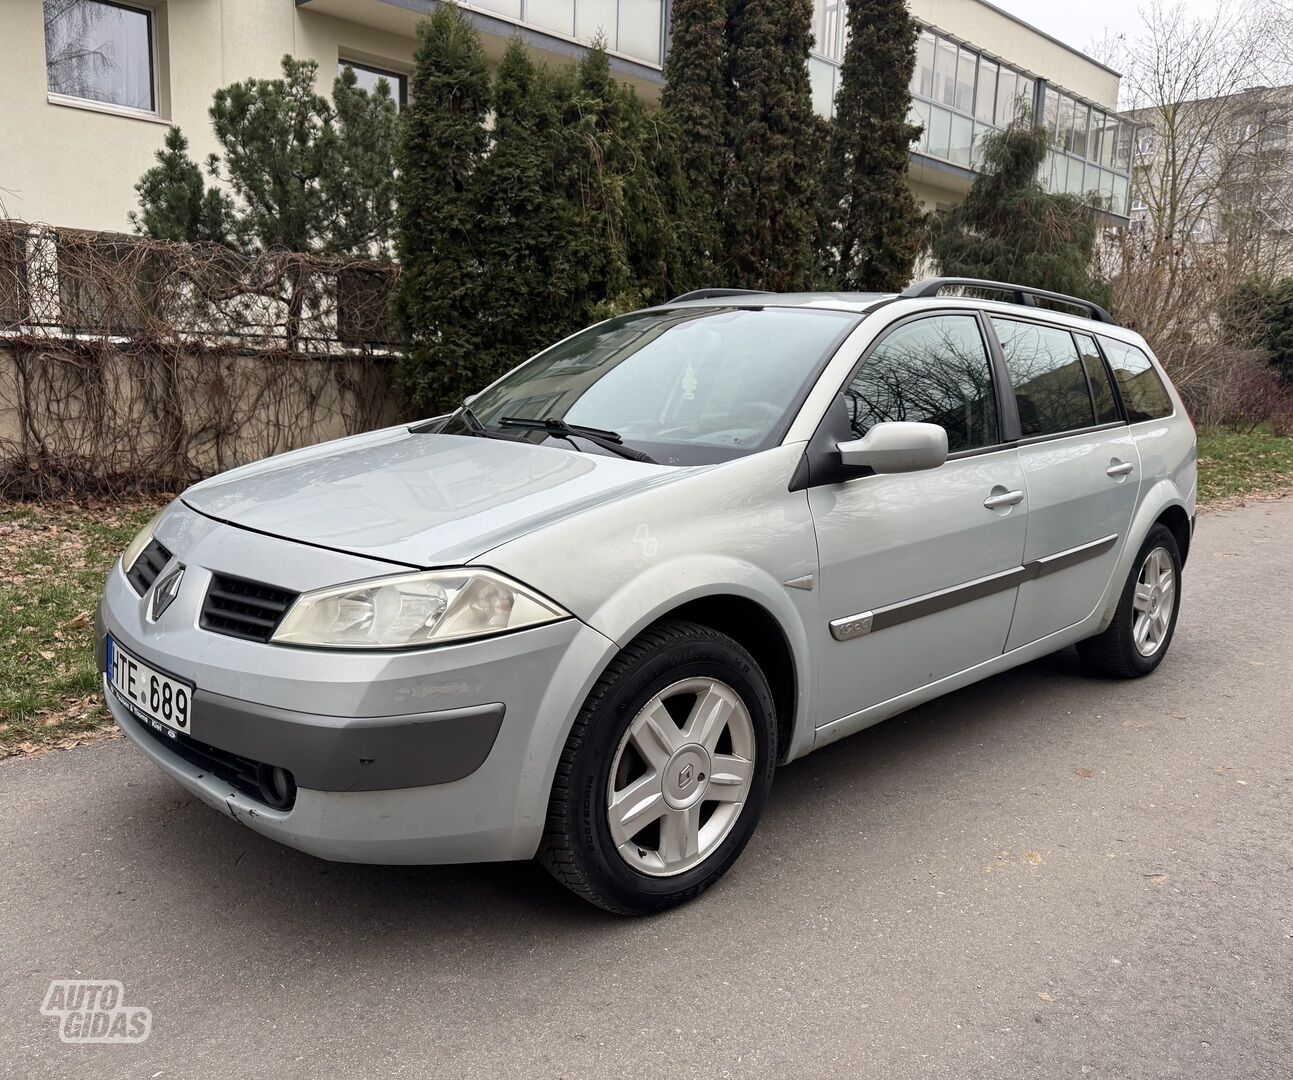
960	94
634	29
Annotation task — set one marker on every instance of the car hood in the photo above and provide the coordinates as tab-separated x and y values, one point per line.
423	500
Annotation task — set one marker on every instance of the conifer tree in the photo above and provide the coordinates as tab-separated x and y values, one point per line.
303	173
443	145
524	225
694	103
872	229
1009	228
175	202
771	204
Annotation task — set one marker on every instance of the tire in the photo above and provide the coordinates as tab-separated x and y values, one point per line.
1116	652
705	787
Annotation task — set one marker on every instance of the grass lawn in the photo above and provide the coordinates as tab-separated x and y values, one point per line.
53	559
1233	466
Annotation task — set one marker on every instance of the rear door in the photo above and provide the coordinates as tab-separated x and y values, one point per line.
1081	473
918	571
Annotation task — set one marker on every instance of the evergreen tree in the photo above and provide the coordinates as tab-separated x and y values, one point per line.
1009	228
175	202
694	104
305	174
872	224
443	145
771	204
524	226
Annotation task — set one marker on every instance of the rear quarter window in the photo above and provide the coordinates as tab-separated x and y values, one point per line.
1143	392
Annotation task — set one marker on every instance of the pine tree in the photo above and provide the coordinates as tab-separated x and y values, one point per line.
175	202
444	143
303	173
694	105
771	204
872	224
1009	228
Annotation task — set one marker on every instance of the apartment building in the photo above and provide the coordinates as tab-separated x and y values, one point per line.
89	86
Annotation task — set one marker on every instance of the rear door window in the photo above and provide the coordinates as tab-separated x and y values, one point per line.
1048	378
1106	403
934	371
1143	392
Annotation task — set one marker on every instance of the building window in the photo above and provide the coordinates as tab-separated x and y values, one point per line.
99	51
367	78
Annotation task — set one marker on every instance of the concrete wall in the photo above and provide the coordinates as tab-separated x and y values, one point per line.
100	418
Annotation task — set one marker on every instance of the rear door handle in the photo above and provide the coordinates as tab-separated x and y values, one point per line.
1123	468
1009	498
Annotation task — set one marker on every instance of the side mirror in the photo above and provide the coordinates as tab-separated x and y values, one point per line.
897	447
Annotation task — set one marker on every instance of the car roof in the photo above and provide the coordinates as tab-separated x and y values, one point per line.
857	302
863	303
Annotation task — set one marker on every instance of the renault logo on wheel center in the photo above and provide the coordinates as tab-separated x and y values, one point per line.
684	777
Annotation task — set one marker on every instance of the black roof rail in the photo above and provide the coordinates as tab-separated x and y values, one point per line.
714	294
1020	294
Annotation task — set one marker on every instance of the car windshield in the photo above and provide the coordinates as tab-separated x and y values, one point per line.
687	386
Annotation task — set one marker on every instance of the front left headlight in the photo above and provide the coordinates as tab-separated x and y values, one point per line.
414	609
136	546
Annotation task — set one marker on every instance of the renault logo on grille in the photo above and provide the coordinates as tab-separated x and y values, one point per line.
166	589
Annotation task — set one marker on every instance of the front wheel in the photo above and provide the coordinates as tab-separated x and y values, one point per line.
1137	640
665	772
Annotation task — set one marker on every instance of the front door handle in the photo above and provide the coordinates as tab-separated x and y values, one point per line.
1008	498
1119	468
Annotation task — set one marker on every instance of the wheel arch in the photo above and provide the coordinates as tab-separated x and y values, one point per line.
755	629
1162	504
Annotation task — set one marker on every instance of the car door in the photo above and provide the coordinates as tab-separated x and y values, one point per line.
918	571
1081	473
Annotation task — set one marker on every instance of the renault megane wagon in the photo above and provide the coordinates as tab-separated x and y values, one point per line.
587	614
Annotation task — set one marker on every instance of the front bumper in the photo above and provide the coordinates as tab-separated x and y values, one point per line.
437	755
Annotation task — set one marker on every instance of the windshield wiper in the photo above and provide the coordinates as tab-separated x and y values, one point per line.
607	440
470	420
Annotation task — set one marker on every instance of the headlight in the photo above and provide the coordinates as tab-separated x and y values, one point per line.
136	546
414	609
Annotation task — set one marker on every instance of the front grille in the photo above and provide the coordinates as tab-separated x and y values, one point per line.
244	609
243	774
147	566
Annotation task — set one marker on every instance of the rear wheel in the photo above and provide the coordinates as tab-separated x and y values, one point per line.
1138	638
665	773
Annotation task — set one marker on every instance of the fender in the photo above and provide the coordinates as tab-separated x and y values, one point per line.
1163	495
667	586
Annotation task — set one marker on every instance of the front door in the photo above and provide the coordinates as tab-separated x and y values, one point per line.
1081	474
918	571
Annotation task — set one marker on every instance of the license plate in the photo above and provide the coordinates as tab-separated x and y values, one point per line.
151	694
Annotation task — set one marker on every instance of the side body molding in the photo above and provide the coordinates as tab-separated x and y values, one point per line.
868	622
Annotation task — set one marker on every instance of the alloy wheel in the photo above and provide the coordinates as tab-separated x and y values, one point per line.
681	776
1154	602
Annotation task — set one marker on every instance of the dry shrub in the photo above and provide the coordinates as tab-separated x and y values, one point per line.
1231	388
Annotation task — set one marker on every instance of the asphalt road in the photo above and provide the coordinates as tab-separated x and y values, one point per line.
1044	875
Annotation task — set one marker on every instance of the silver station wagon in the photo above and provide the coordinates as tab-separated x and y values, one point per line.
587	614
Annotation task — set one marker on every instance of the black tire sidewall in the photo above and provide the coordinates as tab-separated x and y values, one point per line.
710	656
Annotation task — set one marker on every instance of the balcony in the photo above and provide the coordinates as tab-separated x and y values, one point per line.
634	29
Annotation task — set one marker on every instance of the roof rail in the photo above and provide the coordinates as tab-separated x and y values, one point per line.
1019	294
713	294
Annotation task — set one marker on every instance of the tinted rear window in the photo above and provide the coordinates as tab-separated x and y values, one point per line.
1143	392
1106	404
1048	378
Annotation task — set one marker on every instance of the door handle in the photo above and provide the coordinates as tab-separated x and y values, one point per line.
1122	468
1009	498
